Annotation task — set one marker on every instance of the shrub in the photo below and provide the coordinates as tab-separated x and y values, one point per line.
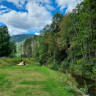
15	61
50	59
54	65
64	65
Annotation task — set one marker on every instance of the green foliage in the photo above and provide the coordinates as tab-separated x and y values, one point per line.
94	69
19	48
15	61
13	49
64	65
50	60
5	49
54	65
84	90
27	47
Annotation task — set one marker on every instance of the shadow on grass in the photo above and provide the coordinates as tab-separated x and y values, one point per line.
33	82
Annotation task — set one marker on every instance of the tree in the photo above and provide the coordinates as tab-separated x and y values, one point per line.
13	48
28	47
4	41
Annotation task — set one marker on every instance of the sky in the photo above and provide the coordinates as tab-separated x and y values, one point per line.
31	16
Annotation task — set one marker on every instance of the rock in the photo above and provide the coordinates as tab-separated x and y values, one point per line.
22	63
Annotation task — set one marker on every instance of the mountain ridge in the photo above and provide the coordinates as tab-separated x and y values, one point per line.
20	37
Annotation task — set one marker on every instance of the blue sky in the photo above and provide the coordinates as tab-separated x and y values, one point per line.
30	16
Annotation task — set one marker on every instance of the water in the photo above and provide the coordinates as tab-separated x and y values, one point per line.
91	84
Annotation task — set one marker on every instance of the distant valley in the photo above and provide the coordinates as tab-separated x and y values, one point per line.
19	39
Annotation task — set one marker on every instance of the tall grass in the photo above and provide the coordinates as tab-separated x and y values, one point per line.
15	61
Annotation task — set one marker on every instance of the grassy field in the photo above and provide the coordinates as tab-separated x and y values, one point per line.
32	80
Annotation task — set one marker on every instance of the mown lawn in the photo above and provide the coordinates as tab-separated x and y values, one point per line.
32	80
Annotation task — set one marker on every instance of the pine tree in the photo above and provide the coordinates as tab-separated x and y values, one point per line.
4	41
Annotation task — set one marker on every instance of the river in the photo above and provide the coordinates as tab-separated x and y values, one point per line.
91	84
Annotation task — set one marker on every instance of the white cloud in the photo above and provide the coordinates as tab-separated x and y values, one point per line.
18	3
70	4
20	22
14	30
2	7
5	10
37	33
50	7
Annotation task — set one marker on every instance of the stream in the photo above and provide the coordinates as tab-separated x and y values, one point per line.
91	84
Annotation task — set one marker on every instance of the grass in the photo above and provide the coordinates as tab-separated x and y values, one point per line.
32	80
14	61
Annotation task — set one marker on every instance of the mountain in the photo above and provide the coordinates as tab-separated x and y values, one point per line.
21	37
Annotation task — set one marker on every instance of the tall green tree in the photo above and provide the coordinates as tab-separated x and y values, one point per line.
13	49
4	41
28	47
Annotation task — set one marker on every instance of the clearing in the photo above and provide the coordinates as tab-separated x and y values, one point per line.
32	80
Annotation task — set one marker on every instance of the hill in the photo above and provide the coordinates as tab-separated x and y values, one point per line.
21	37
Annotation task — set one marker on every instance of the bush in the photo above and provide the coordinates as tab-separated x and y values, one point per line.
15	61
64	65
54	65
50	59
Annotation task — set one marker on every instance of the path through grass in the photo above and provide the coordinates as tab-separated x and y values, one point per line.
31	80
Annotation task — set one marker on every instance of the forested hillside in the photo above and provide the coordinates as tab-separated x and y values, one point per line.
20	37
